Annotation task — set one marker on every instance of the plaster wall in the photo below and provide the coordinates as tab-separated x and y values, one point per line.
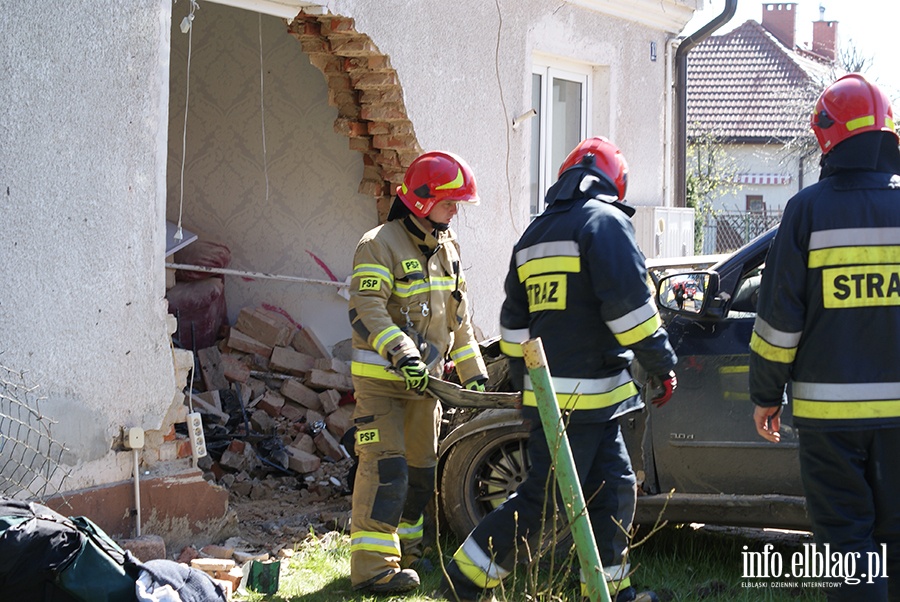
82	176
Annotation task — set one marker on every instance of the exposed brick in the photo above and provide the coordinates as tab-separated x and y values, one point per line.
327	63
339	83
271	403
344	98
378	62
383	112
383	207
285	359
371	172
297	391
306	341
379	95
184	448
314	46
372	187
351	128
361	144
352	46
399	128
340	421
349	111
328	445
237	446
235	370
301	461
329	380
336	25
374	80
393	142
329	400
379	128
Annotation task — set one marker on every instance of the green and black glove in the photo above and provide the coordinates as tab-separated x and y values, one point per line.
477	384
415	373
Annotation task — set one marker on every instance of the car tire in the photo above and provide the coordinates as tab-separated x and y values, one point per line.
479	473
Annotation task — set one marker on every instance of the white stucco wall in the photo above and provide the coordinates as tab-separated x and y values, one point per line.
82	229
767	159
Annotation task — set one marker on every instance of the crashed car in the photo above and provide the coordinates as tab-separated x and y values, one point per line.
698	458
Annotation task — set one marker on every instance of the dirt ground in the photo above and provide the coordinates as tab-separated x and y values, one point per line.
284	511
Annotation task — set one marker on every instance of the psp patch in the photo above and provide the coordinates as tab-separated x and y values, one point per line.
367	436
369	284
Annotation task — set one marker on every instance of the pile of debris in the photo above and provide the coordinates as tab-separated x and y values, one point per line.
275	404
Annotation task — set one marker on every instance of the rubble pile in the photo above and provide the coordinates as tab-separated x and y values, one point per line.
275	404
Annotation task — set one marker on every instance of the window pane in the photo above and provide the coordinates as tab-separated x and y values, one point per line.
536	192
566	119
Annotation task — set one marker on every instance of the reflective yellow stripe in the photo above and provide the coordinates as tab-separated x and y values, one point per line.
889	123
454	183
770	352
372	371
586	401
511	349
882	254
549	265
381	340
842	410
418	287
372	541
481	570
639	332
860	122
364	270
734	369
407	531
464	353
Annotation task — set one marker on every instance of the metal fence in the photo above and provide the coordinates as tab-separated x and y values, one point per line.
726	231
30	459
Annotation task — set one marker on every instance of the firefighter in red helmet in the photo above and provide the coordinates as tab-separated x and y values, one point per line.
825	340
596	315
409	313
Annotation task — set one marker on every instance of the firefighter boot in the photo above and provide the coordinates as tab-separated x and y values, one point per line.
396	583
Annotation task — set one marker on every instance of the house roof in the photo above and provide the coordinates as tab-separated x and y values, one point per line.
747	86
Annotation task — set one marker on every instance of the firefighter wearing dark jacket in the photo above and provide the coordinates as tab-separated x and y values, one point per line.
578	281
828	327
408	309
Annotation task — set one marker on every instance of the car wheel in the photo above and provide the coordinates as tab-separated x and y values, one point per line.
480	472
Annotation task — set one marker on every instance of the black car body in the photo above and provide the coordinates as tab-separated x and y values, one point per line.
698	458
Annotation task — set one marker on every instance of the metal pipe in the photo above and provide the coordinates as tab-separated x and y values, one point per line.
137	492
567	475
681	96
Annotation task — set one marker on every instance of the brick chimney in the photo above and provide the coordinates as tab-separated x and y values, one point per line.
824	42
779	19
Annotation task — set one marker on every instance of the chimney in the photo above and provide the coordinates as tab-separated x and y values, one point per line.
824	42
780	21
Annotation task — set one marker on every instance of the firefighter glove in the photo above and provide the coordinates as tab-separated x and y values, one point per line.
476	384
415	373
666	385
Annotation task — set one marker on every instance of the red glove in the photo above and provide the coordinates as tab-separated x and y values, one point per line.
666	385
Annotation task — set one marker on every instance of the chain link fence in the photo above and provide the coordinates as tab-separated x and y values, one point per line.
30	459
726	231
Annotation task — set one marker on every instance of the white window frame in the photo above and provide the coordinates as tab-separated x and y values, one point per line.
550	69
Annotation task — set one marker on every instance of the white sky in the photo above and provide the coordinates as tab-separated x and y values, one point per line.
872	26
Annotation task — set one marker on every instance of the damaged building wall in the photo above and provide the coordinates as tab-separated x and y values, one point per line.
461	97
82	306
313	209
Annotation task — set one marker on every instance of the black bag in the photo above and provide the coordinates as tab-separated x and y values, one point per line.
46	556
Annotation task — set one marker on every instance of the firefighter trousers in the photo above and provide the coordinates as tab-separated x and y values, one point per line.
852	487
604	469
396	443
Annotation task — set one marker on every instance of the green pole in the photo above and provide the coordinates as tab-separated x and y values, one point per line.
567	475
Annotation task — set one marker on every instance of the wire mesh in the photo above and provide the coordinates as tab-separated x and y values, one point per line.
727	231
30	459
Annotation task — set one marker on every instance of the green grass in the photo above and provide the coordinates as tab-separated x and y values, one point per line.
680	563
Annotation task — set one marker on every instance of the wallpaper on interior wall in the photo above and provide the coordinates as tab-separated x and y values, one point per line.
312	205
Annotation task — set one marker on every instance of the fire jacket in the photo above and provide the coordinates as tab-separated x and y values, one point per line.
408	300
578	281
828	318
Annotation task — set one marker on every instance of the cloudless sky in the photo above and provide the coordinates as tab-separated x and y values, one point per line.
872	26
